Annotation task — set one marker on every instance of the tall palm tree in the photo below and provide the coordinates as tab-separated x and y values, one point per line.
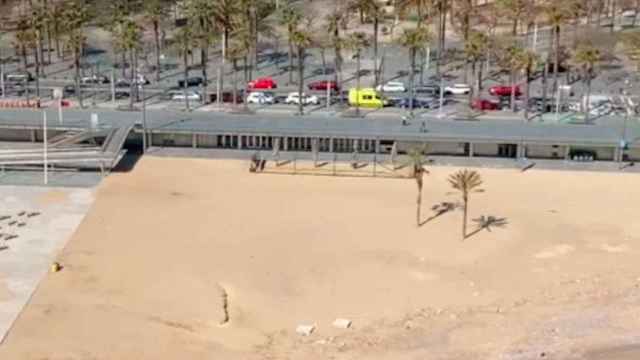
527	61
236	52
75	41
421	7
333	21
24	38
155	12
356	42
416	161
556	14
223	13
474	50
509	58
466	182
414	40
585	57
200	15
302	40
631	42
183	42
130	38
290	17
75	16
513	10
372	10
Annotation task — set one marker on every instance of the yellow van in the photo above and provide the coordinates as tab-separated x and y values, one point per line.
366	97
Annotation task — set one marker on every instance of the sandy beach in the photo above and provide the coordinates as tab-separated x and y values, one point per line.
148	272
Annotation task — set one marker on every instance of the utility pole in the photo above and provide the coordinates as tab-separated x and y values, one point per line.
144	120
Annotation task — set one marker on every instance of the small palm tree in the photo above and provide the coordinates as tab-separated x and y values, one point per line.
513	10
414	40
301	39
290	17
130	42
236	52
466	182
371	9
585	57
356	42
416	161
510	56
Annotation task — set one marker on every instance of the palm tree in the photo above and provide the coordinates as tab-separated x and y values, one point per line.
509	58
514	10
556	14
75	41
527	61
75	16
236	52
372	10
420	6
183	41
416	161
130	42
585	57
200	14
154	12
356	42
631	42
301	39
475	50
333	21
466	182
290	17
414	40
24	39
223	12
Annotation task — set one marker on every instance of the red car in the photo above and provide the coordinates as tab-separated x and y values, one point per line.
501	90
262	83
323	85
484	104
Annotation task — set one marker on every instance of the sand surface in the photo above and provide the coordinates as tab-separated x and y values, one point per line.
147	272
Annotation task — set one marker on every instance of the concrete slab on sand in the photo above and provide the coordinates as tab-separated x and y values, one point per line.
41	221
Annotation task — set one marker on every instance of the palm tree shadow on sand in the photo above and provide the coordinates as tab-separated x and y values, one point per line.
439	210
487	222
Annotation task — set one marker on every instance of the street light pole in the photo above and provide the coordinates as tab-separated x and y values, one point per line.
144	120
44	141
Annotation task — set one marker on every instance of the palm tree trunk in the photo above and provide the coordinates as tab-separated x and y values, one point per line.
474	83
556	57
526	92
412	71
290	56
545	75
56	33
124	60
300	79
185	60
156	39
358	83
514	27
23	50
613	15
76	65
419	206
133	81
204	62
235	82
37	74
588	96
375	52
464	217
512	99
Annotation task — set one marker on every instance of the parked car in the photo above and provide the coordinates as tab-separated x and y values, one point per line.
502	90
458	89
227	97
484	104
582	155
95	79
323	85
180	95
418	103
19	77
366	97
192	81
260	97
392	86
433	90
294	98
262	83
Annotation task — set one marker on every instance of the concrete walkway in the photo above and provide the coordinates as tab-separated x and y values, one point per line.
41	220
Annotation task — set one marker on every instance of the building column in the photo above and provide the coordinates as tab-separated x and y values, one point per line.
194	141
33	136
377	146
617	154
470	149
567	149
239	142
331	144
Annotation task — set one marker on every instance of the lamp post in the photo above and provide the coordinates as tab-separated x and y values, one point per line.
144	119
